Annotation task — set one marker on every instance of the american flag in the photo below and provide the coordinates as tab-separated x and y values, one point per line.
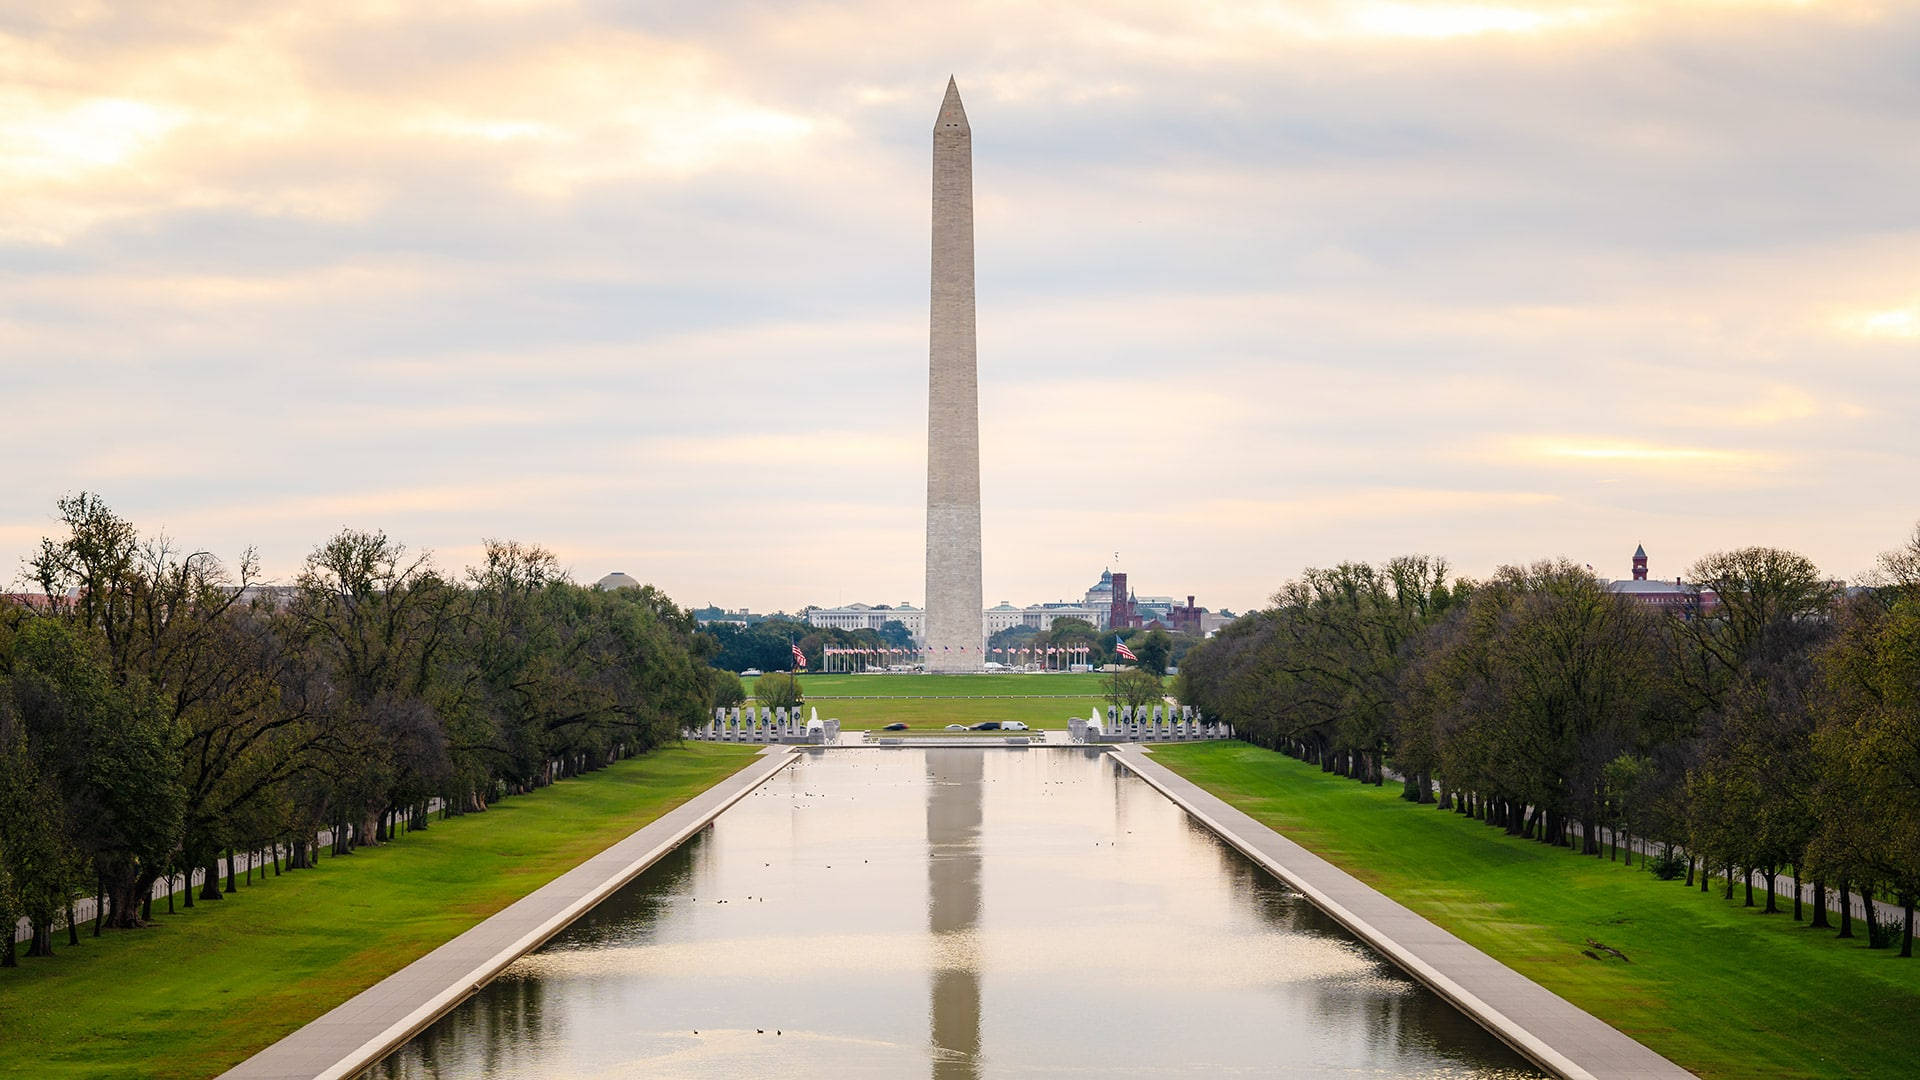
799	658
1120	647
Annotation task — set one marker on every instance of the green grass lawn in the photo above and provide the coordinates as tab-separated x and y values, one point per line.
204	989
931	702
1717	987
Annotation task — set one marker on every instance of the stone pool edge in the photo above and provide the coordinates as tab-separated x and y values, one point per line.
1543	1027
356	1034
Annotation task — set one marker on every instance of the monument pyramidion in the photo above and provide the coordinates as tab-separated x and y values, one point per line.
954	633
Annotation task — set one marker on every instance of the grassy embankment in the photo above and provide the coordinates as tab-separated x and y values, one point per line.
930	702
204	989
1717	987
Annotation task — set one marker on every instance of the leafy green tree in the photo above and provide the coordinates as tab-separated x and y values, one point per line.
727	688
39	867
177	623
1760	594
1343	635
1133	687
1153	648
777	690
1867	746
105	749
765	645
379	618
1013	637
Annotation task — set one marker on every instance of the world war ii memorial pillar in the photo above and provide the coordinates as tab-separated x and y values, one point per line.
954	634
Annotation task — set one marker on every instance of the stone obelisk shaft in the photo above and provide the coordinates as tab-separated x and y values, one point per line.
954	632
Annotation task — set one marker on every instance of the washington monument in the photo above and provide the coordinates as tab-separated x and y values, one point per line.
953	630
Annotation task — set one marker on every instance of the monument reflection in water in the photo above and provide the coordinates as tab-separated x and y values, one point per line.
958	914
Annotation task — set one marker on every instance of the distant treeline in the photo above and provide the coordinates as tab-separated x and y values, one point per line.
768	645
158	709
1777	732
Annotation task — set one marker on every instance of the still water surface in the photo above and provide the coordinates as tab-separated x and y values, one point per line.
960	914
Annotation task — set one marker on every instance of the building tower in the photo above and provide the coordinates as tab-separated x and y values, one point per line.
1640	562
954	634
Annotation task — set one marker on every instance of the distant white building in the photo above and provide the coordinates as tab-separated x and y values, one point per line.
1002	616
616	580
1095	609
871	617
1043	616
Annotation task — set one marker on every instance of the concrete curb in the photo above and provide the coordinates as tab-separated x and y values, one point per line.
1542	1026
354	1036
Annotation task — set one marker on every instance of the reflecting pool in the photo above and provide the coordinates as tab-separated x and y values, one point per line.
957	914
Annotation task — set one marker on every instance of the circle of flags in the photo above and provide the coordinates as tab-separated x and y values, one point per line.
1015	654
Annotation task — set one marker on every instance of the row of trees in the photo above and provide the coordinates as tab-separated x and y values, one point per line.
1772	727
161	708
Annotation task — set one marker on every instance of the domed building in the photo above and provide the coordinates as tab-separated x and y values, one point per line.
1101	595
616	580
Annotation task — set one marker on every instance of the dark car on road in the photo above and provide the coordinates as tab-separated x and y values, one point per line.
895	726
986	725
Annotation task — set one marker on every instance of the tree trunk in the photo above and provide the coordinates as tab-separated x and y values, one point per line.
231	886
1846	908
126	901
1746	876
1874	939
1729	895
1906	931
211	890
8	953
41	944
1772	908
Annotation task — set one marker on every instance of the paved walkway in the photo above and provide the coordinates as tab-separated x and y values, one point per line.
1541	1025
357	1034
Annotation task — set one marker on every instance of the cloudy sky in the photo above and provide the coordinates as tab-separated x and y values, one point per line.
1261	285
